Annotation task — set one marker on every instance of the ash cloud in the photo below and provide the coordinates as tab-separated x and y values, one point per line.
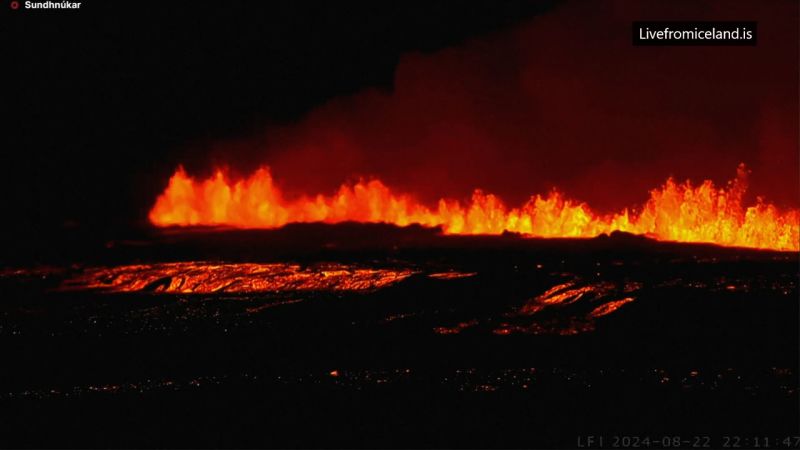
564	101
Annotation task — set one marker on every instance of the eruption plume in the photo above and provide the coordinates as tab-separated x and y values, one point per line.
675	211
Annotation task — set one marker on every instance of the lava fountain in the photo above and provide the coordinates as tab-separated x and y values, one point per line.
675	211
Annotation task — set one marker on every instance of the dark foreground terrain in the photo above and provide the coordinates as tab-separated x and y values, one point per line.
375	336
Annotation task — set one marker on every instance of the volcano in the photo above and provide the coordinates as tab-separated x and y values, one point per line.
418	224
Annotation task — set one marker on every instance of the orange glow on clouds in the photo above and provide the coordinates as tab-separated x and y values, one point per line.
682	212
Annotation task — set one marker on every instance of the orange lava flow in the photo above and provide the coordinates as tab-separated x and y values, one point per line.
681	212
207	277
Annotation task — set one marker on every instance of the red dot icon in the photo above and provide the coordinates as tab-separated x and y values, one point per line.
14	5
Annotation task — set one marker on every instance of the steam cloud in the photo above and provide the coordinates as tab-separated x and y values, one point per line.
564	100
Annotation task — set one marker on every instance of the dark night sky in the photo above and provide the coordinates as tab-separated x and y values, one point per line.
107	100
435	98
